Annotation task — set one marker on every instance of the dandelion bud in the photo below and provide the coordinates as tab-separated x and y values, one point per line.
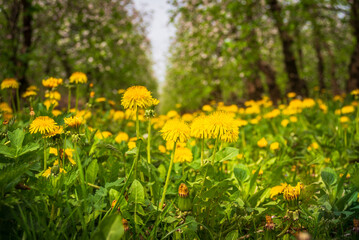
150	113
184	202
269	223
32	113
125	224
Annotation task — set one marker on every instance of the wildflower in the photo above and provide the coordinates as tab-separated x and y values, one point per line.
51	103
53	151
308	103
56	112
162	149
100	99
78	77
207	108
291	94
53	95
137	97
344	119
187	117
176	131
69	152
182	154
355	92
32	88
28	94
200	127
260	173
103	135
269	223
284	122
274	146
43	124
272	114
183	190
184	202
292	193
120	91
222	126
74	121
293	119
172	114
262	143
121	137
52	82
131	145
58	130
347	109
9	83
240	155
314	145
277	190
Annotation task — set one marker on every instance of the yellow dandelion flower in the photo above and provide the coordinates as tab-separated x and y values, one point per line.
9	83
53	95
58	130
223	126
274	146
74	121
182	154
355	92
207	108
120	91
131	145
176	130
70	155
293	119
53	151
162	149
172	114
52	82
78	77
43	124
200	127
187	117
292	193
277	190
51	102
56	112
284	122
47	173
240	155
103	135
4	107
291	94
32	88
121	137
100	99
347	109
28	94
262	143
344	119
137	97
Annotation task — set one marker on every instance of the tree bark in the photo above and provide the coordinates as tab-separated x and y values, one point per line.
27	32
353	81
270	75
296	84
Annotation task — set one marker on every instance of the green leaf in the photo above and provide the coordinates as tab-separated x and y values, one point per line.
28	148
111	228
241	172
16	138
7	151
91	171
232	235
137	193
226	154
329	176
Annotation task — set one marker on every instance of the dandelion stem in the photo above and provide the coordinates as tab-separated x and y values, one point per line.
18	99
168	176
77	97
138	147
69	100
79	164
214	150
202	151
45	154
149	157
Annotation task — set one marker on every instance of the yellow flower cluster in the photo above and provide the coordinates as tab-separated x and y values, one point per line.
9	83
52	82
138	97
78	77
289	192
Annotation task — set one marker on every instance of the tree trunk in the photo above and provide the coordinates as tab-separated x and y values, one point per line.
270	75
296	84
27	31
353	81
333	79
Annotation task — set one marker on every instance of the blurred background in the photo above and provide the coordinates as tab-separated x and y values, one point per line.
187	52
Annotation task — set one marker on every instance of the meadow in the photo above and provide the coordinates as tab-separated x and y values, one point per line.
114	168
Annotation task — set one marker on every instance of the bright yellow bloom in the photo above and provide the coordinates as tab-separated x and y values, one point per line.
207	108
131	145
137	97
100	99
272	114
58	130
32	88
53	151
172	114
314	145
344	119
120	91
200	127
182	154
74	121
222	125
4	107
240	155
187	117
70	155
162	149
78	77
118	115
52	82
347	109
53	95
43	124
355	92
9	83
103	135
292	193
277	190
50	102
121	137
274	146
56	112
29	94
293	119
284	122
308	103
291	94
176	130
262	143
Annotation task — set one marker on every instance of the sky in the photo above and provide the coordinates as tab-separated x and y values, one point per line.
159	32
